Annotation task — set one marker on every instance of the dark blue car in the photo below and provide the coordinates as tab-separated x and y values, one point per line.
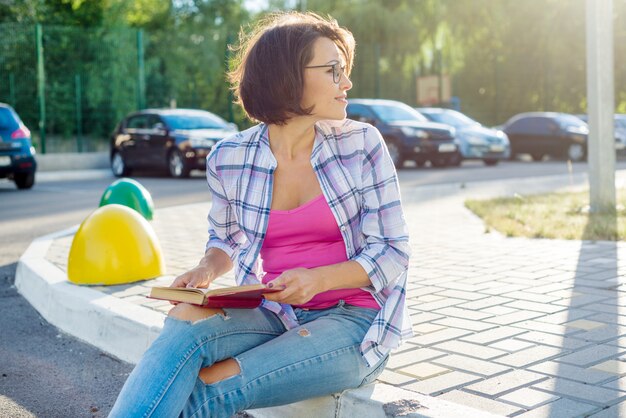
17	155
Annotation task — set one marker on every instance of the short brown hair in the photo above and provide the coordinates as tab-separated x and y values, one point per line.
268	69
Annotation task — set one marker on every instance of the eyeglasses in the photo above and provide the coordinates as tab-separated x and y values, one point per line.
338	70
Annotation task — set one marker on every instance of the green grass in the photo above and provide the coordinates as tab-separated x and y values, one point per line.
553	215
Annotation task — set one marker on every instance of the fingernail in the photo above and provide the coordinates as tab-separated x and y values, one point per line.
270	285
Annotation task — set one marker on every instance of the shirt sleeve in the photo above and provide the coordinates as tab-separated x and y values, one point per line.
224	231
385	257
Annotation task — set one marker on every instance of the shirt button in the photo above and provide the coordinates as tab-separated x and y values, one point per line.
343	228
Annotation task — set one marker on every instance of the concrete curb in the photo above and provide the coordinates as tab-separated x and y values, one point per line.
72	161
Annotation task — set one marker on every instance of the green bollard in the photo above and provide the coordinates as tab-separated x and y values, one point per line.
128	192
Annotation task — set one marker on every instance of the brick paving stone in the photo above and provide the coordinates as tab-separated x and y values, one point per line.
552	287
607	318
469	349
470	364
485	302
499	310
408	357
561	408
511	345
568	315
532	297
566	371
514	317
428	298
459	294
464	324
528	398
616	367
443	383
608	333
546	327
534	306
462	313
591	355
558	341
530	355
499	385
439	336
607	308
502	289
579	300
493	335
617	384
585	324
479	402
586	393
394	378
426	327
614	411
424	290
424	370
438	304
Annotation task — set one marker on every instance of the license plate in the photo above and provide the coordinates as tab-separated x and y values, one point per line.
4	161
496	148
447	148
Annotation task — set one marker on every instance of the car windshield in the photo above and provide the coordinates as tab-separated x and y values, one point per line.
396	113
452	118
569	121
197	121
8	120
620	123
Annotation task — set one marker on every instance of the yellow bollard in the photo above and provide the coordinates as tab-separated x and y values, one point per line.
114	245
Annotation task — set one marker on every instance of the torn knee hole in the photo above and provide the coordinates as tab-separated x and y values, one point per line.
220	371
304	332
194	314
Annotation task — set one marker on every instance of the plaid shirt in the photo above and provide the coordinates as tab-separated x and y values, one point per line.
359	182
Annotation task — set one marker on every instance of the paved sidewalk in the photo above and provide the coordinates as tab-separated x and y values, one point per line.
515	327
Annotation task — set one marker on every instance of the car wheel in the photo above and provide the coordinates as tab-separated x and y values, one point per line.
118	165
455	160
176	165
536	156
24	180
490	161
439	162
395	154
576	152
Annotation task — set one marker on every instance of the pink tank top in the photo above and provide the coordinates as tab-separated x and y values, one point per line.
308	236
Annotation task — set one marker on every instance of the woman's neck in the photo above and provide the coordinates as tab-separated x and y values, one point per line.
293	140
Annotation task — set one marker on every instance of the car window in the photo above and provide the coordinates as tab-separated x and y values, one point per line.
359	112
7	119
138	122
195	121
396	113
450	117
570	121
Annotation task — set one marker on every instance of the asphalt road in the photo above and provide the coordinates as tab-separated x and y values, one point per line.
46	373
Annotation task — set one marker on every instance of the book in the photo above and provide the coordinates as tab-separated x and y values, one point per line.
246	296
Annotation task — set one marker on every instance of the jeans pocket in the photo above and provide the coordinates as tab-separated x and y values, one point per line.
375	373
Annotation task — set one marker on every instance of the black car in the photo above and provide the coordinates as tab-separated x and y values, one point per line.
558	135
408	134
17	155
176	139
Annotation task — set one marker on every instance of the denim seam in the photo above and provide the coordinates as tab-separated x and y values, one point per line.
339	350
186	357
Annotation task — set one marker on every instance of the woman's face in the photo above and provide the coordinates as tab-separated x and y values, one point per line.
320	90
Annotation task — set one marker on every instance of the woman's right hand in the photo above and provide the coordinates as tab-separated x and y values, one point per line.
197	277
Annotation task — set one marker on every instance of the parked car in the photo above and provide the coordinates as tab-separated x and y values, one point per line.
475	141
619	131
176	139
17	155
559	135
408	134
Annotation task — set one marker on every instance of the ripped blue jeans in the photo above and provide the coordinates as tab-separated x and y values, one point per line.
278	366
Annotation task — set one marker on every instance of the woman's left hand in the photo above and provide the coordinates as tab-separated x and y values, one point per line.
300	285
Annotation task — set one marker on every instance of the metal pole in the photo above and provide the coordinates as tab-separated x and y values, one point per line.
79	114
12	90
600	108
141	72
231	97
377	70
41	82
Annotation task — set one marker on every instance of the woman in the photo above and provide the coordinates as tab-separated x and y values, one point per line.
306	202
